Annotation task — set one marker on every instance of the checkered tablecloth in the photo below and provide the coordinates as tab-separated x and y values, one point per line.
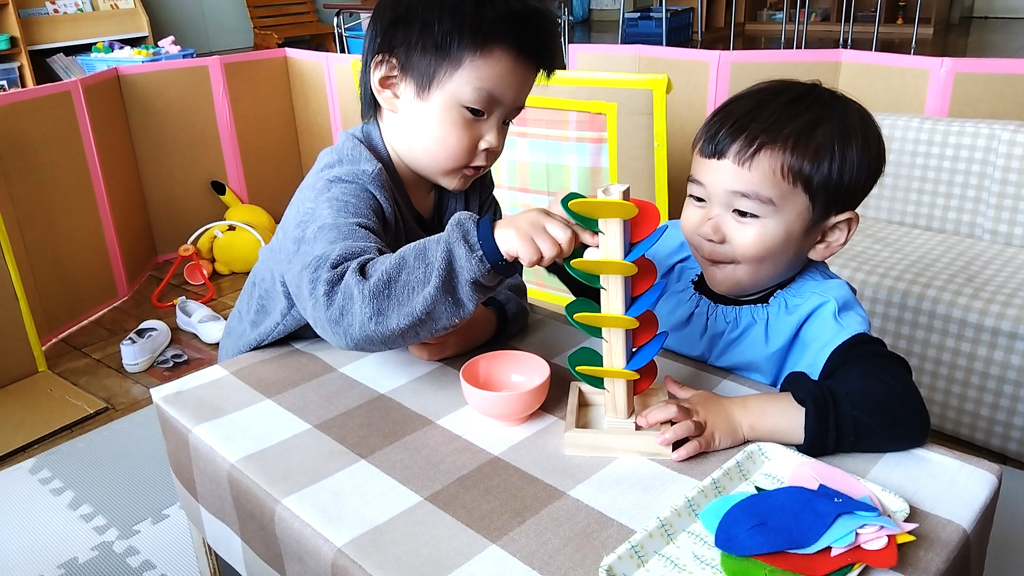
304	459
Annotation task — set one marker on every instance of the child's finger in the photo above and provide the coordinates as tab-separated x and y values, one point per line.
677	389
690	449
663	412
587	237
548	248
684	429
528	253
563	233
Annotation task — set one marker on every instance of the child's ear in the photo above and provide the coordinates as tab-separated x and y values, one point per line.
385	82
833	234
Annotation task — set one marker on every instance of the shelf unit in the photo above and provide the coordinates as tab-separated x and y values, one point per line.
87	28
934	15
11	24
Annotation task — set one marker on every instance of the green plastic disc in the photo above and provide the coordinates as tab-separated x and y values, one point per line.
588	223
583	305
586	356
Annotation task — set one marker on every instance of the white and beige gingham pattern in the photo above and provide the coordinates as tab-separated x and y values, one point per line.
952	176
304	459
938	263
1005	216
954	307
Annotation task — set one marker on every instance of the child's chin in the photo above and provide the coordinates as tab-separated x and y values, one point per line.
461	183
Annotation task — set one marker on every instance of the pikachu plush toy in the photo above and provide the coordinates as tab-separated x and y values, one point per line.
232	248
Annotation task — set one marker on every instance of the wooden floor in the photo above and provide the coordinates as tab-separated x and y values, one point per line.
90	356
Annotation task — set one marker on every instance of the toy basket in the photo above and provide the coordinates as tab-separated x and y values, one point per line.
97	63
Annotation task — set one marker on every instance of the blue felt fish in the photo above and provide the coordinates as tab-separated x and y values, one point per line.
843	531
787	518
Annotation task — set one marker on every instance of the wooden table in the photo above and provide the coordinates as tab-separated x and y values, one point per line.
305	459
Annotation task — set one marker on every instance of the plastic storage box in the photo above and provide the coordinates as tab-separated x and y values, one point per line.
9	79
645	26
98	63
355	36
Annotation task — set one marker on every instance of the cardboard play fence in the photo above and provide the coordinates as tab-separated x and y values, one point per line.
700	80
112	172
106	175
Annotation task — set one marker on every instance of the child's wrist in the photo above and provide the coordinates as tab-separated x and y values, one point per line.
487	226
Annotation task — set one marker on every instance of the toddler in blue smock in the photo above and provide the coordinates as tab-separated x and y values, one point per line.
778	172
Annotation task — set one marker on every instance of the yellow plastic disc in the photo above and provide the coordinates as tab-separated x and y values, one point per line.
604	208
602	320
607	267
602	372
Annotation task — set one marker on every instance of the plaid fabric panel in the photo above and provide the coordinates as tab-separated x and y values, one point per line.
938	174
1006	210
305	459
548	153
954	308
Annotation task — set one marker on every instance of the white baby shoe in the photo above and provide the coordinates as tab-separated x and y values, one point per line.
199	319
140	348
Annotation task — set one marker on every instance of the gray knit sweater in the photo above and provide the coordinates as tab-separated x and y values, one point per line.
355	263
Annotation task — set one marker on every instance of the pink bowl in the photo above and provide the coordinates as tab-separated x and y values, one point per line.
507	386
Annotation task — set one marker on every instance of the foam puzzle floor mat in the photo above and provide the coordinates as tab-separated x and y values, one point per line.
102	504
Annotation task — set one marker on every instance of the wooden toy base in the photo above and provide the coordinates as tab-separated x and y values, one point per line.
588	434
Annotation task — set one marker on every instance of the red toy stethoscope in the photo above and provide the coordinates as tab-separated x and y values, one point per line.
188	250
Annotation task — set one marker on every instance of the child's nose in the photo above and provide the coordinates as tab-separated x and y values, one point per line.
491	138
711	231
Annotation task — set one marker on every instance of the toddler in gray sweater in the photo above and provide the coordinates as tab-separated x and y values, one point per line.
394	238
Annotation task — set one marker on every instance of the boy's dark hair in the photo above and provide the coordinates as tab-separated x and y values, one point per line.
431	38
827	144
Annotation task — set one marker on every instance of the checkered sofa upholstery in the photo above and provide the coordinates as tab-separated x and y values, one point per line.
939	264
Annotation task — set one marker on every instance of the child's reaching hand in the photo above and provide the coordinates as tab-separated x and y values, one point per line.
538	237
710	421
713	422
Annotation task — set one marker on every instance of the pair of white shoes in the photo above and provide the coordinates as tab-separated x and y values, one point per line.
145	344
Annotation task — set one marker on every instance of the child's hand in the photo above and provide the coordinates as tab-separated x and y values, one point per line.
476	330
710	421
538	237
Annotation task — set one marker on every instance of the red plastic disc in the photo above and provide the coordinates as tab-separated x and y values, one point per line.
646	274
648	327
648	374
641	225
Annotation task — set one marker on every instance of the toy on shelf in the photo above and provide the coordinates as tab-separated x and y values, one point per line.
115	49
169	46
229	248
615	383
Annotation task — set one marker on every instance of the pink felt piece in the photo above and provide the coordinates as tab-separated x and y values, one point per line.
883	531
811	473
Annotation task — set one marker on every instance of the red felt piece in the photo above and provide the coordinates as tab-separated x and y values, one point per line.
646	274
648	374
641	225
648	327
823	563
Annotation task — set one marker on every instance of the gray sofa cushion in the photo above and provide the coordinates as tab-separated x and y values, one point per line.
954	307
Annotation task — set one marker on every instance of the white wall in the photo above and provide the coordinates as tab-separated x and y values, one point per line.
204	25
999	8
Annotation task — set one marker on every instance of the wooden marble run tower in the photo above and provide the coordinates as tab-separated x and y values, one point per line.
615	384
